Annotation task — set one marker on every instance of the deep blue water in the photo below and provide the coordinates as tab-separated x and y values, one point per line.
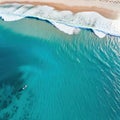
68	77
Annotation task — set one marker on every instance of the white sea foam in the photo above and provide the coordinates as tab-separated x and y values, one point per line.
10	17
99	34
65	21
66	29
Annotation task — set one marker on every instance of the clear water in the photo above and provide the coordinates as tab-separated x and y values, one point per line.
68	77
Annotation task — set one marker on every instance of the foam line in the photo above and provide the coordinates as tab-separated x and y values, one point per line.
65	21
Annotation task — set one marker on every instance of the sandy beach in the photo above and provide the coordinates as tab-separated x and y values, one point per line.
109	9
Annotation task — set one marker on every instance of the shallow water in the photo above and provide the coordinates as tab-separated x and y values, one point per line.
68	77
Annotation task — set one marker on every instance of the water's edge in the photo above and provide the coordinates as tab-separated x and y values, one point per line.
65	21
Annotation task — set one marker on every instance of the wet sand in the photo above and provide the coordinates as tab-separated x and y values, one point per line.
76	6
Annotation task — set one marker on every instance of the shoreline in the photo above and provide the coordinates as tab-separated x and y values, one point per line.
66	21
101	32
105	12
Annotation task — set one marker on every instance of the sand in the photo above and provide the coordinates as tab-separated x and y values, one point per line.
107	8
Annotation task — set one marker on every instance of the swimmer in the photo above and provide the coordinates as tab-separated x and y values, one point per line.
23	88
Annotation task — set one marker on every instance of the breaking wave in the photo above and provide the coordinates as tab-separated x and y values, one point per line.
65	21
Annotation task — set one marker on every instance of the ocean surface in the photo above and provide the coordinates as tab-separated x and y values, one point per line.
65	21
46	74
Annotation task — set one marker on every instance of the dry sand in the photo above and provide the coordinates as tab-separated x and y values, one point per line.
107	8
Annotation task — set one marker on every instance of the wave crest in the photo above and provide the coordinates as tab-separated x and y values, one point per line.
65	21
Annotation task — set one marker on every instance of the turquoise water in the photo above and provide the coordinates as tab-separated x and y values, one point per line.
68	77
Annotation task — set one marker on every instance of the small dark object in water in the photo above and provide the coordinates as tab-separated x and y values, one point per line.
23	88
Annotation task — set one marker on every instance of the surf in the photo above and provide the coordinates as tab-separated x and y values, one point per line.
65	21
